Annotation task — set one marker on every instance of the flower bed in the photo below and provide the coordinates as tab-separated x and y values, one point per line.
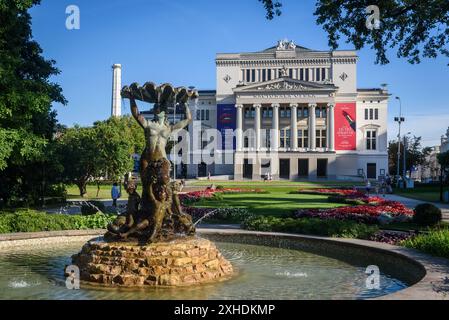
391	237
363	209
353	193
383	212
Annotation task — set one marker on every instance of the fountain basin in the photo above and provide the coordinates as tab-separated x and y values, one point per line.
270	266
181	262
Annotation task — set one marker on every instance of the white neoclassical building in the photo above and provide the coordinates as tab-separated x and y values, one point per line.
297	114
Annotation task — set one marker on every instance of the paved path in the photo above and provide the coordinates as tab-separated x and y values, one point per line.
412	203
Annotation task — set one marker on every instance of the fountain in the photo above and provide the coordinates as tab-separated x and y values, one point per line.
154	243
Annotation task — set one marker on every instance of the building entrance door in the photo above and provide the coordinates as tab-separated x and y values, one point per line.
247	169
321	170
371	171
284	168
303	168
202	169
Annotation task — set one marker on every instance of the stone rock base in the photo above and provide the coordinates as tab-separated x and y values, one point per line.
182	262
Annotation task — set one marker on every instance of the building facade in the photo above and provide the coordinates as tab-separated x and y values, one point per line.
296	113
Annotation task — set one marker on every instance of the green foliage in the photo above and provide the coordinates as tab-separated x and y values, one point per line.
330	228
416	28
35	221
27	124
426	214
435	242
416	155
88	153
443	159
92	207
272	8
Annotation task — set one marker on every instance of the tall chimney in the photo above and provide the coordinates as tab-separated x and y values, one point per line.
116	108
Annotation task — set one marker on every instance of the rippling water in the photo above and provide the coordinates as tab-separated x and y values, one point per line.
263	273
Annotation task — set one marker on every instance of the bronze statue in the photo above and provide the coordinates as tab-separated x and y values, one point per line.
158	214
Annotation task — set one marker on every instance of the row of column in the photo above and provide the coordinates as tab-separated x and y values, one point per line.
293	127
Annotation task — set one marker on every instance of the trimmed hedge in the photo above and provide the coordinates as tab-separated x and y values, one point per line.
35	221
313	226
435	242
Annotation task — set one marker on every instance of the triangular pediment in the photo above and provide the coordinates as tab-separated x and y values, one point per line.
286	84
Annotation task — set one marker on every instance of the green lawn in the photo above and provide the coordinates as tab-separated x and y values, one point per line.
421	192
105	192
275	203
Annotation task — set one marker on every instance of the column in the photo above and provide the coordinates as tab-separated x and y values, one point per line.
294	127
275	127
312	127
330	127
239	130
257	125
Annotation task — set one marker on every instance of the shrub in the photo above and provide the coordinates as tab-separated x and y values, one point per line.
330	228
35	221
237	215
427	214
435	242
92	207
220	187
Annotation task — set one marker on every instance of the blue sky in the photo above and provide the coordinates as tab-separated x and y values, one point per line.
176	41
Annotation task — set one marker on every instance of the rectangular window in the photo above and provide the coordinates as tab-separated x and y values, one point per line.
303	138
366	114
371	114
299	113
301	74
371	140
264	75
269	74
306	70
248	75
249	112
321	141
207	115
287	138
317	74
253	75
202	115
290	73
306	112
376	114
323	74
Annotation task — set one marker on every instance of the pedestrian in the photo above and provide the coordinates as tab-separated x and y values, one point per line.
368	187
388	182
115	194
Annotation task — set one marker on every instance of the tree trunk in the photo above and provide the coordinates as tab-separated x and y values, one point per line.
82	186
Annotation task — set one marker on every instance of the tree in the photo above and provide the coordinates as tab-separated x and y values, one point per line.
27	123
103	150
416	28
415	154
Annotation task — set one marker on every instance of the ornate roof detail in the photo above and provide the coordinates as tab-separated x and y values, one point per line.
286	45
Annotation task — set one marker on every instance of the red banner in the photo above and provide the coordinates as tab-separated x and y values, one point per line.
345	126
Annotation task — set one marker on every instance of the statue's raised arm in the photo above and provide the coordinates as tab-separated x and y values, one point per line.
183	123
127	93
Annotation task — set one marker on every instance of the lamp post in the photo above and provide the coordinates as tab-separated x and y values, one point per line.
399	120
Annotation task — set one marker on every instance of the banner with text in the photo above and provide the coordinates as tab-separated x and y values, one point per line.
345	126
226	120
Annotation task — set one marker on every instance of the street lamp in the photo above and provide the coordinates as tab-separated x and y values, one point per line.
399	120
